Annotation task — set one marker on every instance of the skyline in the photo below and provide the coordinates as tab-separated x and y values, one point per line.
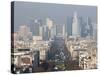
49	37
26	11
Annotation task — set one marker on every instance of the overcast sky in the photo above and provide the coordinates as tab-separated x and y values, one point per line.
25	11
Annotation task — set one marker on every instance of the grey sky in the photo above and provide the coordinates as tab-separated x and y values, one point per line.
25	11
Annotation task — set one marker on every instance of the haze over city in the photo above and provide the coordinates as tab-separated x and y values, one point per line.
26	11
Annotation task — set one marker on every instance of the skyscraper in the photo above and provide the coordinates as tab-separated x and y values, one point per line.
41	30
60	28
45	33
89	27
75	26
95	31
68	26
83	32
53	31
49	24
35	26
63	30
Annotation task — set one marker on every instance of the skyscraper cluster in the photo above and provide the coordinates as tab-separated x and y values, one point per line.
47	30
79	26
75	26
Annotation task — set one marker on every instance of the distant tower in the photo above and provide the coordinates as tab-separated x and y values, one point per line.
35	26
82	24
49	24
53	31
69	26
41	31
95	31
89	27
75	25
64	30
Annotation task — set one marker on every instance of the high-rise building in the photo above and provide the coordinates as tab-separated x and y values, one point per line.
35	26
59	29
89	27
49	23
53	31
95	31
63	30
45	33
68	26
75	25
82	24
41	30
